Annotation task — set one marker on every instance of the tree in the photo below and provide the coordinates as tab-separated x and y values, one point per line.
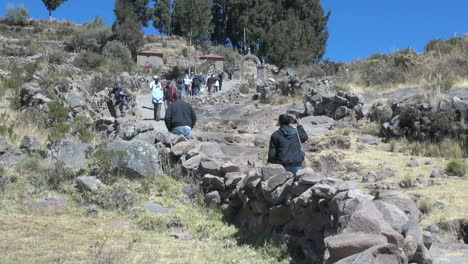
131	35
192	19
52	5
138	10
285	32
162	19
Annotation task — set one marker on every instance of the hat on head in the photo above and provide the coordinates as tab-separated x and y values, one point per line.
156	77
118	82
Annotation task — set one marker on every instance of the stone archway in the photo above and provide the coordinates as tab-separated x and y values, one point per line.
260	67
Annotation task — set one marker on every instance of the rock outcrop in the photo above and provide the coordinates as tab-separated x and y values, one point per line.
329	220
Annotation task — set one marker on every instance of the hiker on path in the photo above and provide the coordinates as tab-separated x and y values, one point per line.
197	82
230	71
220	79
122	96
216	83
180	117
187	82
286	143
147	67
158	97
169	93
180	85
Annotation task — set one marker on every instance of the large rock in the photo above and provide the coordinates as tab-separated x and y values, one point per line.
275	181
368	139
348	244
140	160
4	146
214	182
381	254
89	183
393	215
156	208
271	170
31	143
72	153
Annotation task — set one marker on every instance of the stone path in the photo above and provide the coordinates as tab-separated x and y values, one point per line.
145	105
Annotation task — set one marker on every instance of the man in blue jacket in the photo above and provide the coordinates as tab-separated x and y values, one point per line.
286	144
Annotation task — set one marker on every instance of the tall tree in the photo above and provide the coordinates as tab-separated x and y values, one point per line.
286	32
192	19
52	5
131	35
138	10
162	19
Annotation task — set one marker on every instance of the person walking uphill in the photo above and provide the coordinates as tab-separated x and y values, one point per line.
122	96
286	144
180	117
158	97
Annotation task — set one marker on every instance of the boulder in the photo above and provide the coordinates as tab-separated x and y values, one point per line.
271	170
89	183
324	191
347	244
141	159
381	254
75	99
4	146
280	194
275	181
213	198
193	163
156	208
209	166
308	176
214	182
393	215
31	143
231	179
72	153
368	139
279	215
182	148
229	167
434	173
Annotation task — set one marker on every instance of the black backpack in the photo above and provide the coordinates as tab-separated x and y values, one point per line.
168	93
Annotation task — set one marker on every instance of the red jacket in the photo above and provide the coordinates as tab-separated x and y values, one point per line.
169	94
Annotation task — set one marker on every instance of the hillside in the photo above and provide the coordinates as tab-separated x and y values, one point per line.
385	163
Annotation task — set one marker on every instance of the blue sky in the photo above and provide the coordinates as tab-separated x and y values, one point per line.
357	28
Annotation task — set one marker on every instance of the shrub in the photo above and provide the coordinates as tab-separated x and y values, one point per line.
57	57
106	165
185	52
89	60
131	35
17	16
408	180
5	179
99	83
456	167
121	196
426	205
58	113
91	36
116	50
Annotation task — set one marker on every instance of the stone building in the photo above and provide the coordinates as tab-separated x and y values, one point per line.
151	56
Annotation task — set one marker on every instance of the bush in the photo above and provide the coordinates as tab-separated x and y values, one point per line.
106	165
17	16
92	36
120	196
57	57
131	35
99	83
408	180
58	113
117	50
456	167
426	205
89	60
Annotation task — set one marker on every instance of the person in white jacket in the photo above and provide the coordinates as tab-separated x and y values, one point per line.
158	97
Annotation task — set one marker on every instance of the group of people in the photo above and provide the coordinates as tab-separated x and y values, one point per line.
285	144
180	117
193	84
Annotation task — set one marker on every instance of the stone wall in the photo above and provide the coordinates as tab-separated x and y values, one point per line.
328	220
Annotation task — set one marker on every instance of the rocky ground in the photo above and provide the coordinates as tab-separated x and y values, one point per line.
80	185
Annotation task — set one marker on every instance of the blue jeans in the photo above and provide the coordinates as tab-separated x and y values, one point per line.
293	169
186	131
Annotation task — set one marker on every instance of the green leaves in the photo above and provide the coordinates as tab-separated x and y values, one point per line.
52	5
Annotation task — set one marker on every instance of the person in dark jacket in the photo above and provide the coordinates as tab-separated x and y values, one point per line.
286	144
180	117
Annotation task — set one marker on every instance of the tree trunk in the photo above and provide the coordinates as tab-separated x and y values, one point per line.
50	15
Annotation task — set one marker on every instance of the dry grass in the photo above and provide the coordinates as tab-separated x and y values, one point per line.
20	127
63	239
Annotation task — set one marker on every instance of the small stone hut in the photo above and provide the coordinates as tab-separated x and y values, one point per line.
217	60
151	56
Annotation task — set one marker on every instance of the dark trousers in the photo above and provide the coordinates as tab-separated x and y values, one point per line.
230	76
157	111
